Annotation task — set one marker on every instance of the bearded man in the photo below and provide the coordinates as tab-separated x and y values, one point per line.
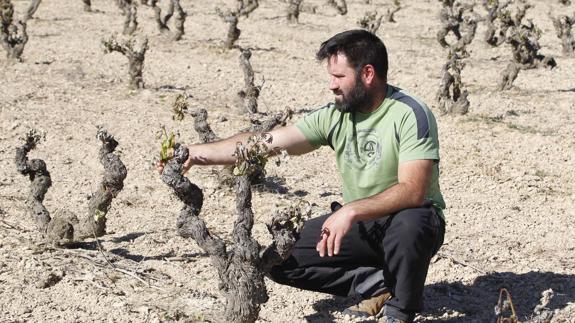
379	244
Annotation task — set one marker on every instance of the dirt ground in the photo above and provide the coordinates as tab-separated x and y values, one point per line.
507	167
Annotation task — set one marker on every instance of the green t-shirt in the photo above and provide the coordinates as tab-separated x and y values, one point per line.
369	147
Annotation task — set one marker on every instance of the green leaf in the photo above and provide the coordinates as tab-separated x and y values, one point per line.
99	215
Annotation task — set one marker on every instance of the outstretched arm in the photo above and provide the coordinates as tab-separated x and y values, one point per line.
221	152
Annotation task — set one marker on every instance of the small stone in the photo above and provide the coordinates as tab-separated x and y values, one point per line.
49	280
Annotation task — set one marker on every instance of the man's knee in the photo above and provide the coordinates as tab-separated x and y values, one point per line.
414	229
413	222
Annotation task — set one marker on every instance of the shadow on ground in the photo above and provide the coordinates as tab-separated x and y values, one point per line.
125	253
476	302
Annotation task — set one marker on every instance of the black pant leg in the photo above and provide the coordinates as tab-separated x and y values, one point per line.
355	270
413	236
397	247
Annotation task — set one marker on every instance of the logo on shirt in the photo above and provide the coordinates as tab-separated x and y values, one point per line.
363	151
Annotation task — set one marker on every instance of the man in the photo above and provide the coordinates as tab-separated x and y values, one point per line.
379	244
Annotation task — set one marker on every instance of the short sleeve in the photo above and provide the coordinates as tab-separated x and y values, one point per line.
315	126
418	136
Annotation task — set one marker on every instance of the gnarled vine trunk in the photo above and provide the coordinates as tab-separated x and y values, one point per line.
241	267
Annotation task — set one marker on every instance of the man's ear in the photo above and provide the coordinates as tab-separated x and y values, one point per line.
368	74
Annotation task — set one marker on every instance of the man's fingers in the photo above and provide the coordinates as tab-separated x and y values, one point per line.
187	165
337	244
321	245
160	167
330	240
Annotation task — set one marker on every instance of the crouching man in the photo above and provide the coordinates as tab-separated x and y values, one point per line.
379	244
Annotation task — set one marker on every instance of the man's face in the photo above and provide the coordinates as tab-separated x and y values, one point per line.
345	83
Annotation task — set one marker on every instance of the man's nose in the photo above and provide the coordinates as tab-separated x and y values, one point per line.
333	85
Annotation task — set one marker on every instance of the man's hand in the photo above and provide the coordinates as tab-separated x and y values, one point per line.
186	167
333	231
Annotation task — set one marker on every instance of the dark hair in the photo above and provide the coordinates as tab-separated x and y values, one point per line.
360	47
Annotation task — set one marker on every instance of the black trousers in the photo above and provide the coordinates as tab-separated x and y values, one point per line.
388	254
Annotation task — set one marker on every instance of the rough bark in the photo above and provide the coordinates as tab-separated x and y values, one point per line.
161	21
293	10
390	15
280	118
500	20
6	13
371	21
563	25
54	230
494	36
87	5
34	4
94	223
523	38
40	180
339	5
134	48
245	7
14	40
524	41
60	230
179	20
508	76
450	96
130	11
451	16
251	92
230	17
468	28
202	127
13	35
240	268
284	226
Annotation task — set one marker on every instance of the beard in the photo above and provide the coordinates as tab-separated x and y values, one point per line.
357	97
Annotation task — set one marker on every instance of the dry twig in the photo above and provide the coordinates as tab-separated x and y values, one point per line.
452	19
34	4
232	18
390	15
13	35
251	92
563	26
339	5
293	10
450	96
134	48
371	21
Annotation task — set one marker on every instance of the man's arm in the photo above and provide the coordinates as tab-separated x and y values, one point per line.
221	152
413	178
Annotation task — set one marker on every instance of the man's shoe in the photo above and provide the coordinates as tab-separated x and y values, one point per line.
369	307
